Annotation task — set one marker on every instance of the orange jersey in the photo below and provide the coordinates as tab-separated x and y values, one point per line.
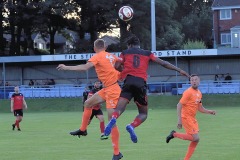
190	101
104	66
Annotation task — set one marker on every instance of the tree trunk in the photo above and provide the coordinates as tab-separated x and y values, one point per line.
13	42
29	41
19	29
52	32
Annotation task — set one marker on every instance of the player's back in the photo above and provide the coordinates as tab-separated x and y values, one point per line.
104	66
136	62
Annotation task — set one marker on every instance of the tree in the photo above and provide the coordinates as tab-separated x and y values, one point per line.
96	17
51	17
2	42
196	19
140	25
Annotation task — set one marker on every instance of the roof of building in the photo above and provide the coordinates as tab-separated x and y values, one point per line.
226	3
110	40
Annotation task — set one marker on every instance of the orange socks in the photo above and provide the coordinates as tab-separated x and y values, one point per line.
115	140
85	118
183	136
192	145
191	149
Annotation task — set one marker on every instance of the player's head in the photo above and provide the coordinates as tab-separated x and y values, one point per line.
133	41
195	81
16	89
99	45
97	85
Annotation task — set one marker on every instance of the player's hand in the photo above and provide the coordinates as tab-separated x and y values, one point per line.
212	112
61	67
179	125
182	72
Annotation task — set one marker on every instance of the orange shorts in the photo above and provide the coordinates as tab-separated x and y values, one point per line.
110	95
190	125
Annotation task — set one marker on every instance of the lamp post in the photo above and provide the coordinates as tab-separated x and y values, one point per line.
153	26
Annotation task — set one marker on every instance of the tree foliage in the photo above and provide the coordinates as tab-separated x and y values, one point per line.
194	45
177	21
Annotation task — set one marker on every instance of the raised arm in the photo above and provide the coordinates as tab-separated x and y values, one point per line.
81	67
168	65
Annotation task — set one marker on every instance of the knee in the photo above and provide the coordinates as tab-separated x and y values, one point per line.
196	139
144	116
101	118
86	104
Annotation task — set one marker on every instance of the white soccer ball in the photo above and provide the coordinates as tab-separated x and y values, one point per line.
125	13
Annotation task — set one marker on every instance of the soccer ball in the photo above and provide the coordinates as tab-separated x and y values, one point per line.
125	13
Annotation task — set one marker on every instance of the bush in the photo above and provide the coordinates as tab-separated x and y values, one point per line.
194	45
41	51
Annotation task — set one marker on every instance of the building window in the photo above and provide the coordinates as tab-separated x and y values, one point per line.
225	38
40	46
225	14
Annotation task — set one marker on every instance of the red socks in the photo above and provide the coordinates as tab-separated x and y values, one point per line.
115	115
17	123
136	122
102	127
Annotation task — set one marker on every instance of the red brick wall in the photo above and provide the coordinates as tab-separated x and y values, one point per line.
221	26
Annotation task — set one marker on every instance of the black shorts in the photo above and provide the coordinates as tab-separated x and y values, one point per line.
135	87
96	113
18	112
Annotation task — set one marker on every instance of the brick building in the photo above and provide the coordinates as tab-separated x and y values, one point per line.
226	23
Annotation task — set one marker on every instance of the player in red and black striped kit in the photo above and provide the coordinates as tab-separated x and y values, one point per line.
96	110
135	64
17	104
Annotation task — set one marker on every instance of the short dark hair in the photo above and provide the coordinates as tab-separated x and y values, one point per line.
133	40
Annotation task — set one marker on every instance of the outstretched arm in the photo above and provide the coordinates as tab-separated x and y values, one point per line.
204	110
168	65
81	67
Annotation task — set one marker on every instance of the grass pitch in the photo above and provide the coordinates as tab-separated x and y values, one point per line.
46	126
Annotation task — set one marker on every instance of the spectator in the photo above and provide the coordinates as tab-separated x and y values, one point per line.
216	78
222	78
228	78
78	81
36	82
31	83
7	84
51	82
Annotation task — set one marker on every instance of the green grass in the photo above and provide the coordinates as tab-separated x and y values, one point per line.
44	134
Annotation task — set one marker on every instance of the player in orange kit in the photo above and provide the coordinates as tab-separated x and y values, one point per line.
189	104
104	66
